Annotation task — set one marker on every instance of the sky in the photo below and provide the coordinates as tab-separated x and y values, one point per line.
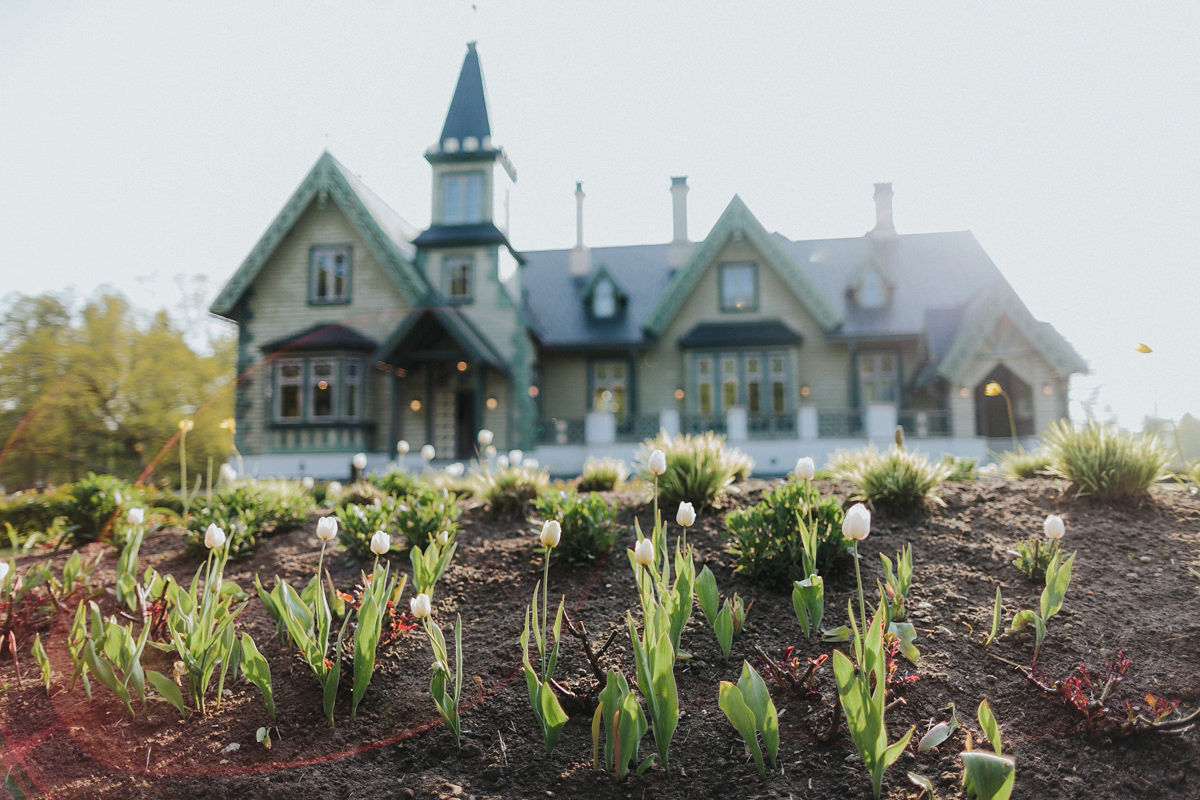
148	145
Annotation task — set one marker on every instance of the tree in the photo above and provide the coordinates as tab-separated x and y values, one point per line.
104	391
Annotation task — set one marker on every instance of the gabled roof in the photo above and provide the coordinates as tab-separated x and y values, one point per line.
982	314
602	275
413	335
737	219
323	336
385	233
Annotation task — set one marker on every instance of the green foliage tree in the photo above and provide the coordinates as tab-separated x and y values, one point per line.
103	390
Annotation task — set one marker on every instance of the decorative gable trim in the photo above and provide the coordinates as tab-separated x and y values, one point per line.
737	219
325	180
620	296
982	315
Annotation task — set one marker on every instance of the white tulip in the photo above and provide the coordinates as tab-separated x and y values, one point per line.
443	538
857	524
805	469
4	570
502	462
686	515
214	537
485	437
419	606
428	453
643	553
228	473
359	461
307	483
380	543
402	447
490	451
530	463
333	489
456	469
551	533
657	462
137	516
327	528
1054	527
515	457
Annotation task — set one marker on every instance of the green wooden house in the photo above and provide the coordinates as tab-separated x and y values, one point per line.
358	331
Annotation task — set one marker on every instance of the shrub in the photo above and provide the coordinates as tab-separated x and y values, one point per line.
411	522
509	492
246	512
94	504
699	467
589	525
961	469
901	482
30	513
1104	462
1022	463
357	523
602	475
765	537
397	483
424	514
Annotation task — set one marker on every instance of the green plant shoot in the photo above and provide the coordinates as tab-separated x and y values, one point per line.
446	686
749	708
808	599
1058	578
620	718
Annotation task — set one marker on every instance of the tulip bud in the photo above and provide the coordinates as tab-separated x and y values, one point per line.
515	457
686	515
657	462
490	451
444	538
993	389
428	453
530	463
307	483
333	489
327	528
551	533
380	543
456	469
228	473
214	537
185	425
805	469
402	447
1054	527
359	461
502	461
857	524
4	569
419	606
137	516
643	553
485	437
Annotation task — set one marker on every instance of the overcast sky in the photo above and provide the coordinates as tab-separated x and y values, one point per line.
146	140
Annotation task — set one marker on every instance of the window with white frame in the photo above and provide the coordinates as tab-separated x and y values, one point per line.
610	386
877	376
319	389
459	272
462	198
329	274
738	286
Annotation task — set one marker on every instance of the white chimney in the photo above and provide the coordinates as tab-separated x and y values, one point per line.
580	257
680	247
883	211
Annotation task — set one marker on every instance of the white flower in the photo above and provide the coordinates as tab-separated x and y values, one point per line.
643	553
805	469
228	473
502	462
857	524
214	537
380	543
137	516
551	533
455	470
515	457
307	483
530	463
657	462
490	451
428	453
686	515
402	447
327	528
419	606
359	461
443	538
4	569
1054	527
334	488
186	425
485	437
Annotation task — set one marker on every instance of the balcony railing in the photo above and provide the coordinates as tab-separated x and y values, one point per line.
925	424
558	430
839	423
320	437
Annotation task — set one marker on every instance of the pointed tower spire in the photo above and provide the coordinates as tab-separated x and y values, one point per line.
467	127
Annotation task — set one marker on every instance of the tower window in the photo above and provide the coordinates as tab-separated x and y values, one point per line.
462	198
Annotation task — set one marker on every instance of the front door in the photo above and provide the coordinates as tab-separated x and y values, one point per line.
464	424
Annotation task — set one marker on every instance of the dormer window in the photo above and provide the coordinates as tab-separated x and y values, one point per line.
604	300
872	291
329	274
462	198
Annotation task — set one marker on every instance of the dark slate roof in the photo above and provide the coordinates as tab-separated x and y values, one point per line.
468	114
323	336
461	235
740	334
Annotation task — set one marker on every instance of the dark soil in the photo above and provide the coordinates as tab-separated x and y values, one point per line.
1132	591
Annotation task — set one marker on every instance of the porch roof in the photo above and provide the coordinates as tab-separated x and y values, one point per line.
413	338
